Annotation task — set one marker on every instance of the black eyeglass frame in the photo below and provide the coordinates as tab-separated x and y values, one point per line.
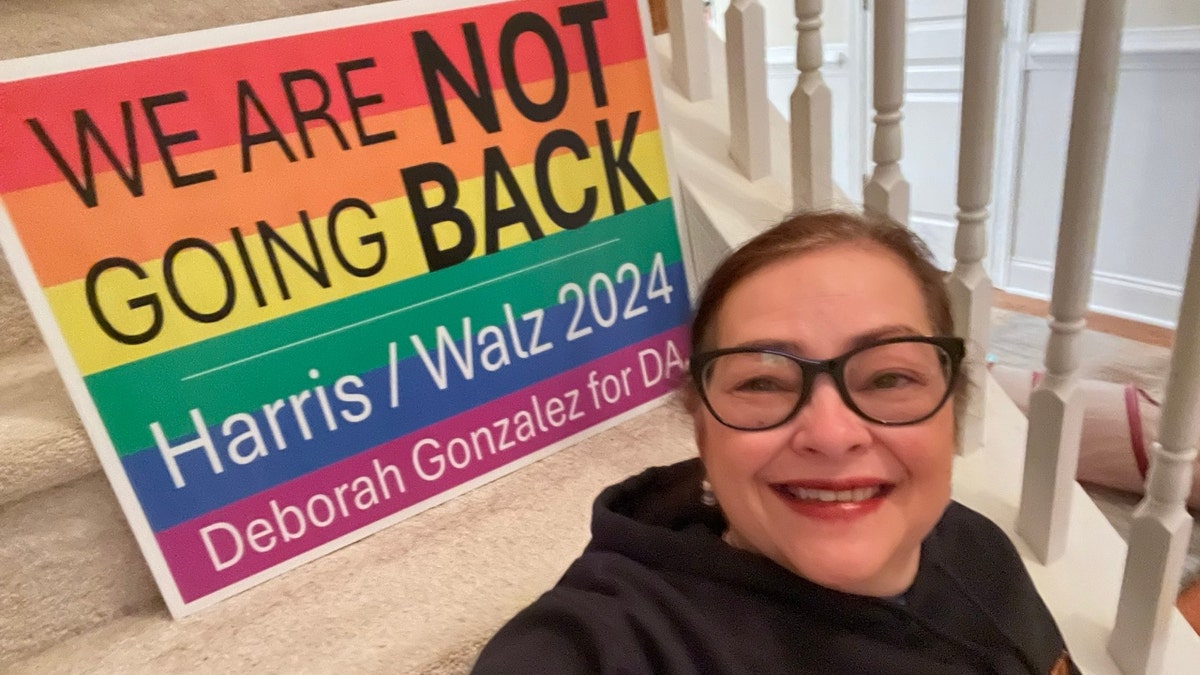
954	347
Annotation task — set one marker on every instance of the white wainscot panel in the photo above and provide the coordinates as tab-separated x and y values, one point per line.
1152	186
936	9
1042	164
931	124
934	40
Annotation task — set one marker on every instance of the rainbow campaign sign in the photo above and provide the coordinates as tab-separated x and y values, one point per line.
308	277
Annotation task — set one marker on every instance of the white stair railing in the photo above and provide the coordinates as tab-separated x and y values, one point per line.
1158	540
1056	411
886	192
969	287
812	115
746	73
689	49
1161	524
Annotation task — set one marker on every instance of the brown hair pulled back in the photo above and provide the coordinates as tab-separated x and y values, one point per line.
806	232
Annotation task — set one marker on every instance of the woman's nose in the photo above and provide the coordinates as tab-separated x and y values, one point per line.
826	425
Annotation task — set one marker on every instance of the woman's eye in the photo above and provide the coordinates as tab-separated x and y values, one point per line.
890	381
763	384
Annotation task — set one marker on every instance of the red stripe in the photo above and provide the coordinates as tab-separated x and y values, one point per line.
1136	442
210	79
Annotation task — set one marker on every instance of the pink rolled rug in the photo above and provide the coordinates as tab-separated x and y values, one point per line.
1120	422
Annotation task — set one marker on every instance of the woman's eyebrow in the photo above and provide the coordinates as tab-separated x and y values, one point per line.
883	333
861	340
777	345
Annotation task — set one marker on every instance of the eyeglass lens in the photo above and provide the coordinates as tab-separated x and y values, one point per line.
896	383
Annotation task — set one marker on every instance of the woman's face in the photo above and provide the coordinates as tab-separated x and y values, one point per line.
821	305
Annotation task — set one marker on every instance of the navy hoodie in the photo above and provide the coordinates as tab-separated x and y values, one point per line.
658	591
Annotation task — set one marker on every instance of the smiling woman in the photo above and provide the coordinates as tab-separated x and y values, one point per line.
815	533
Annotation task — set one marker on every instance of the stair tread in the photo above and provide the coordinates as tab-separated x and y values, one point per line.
405	599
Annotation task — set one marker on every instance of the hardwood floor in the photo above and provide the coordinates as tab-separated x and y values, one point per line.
1104	323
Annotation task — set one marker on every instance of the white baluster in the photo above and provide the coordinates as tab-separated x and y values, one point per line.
1056	412
689	48
886	193
969	286
812	115
746	73
1158	540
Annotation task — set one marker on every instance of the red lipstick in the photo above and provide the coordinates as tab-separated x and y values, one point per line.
833	500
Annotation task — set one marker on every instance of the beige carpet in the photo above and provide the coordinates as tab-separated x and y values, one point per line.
1019	340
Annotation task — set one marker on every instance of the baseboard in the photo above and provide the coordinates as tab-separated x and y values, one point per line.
1096	321
1141	49
1159	303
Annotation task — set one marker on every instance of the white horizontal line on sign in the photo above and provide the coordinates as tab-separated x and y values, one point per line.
364	322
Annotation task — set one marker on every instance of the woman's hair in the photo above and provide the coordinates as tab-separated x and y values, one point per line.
807	232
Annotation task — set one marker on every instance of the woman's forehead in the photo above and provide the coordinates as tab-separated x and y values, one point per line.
834	294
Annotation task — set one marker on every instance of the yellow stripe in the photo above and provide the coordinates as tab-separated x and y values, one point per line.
95	351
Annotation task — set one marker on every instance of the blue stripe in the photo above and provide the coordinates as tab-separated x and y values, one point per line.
421	404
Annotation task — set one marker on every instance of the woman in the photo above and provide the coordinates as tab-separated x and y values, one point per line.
815	533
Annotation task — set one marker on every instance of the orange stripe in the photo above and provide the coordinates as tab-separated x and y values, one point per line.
63	238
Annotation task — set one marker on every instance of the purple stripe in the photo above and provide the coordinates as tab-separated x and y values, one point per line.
341	493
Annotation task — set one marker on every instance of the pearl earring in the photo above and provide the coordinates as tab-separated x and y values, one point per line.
707	497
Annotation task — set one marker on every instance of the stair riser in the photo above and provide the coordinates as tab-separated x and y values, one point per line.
43	441
17	329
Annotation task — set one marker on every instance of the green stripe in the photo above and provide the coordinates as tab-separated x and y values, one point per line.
132	396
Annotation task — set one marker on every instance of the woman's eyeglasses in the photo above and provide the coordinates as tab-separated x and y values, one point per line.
895	382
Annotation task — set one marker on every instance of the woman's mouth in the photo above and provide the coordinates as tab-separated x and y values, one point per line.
832	501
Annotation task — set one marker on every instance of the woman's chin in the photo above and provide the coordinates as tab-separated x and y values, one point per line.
858	575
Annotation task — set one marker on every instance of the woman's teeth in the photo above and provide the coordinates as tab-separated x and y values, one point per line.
854	495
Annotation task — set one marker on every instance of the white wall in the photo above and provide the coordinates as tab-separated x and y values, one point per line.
1066	15
1152	183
